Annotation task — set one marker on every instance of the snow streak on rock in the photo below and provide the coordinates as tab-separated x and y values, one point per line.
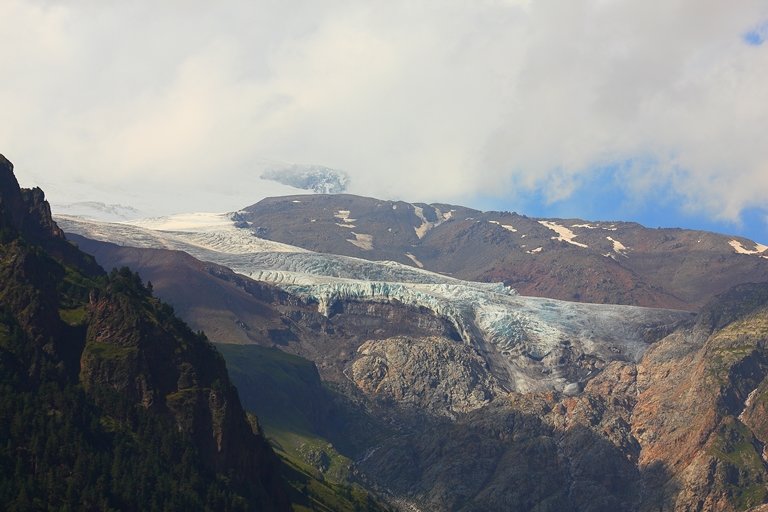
505	226
364	242
564	234
740	249
344	220
592	226
427	225
414	260
618	247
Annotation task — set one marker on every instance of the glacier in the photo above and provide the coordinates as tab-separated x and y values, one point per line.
530	343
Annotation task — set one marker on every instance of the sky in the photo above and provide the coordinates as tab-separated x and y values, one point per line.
599	109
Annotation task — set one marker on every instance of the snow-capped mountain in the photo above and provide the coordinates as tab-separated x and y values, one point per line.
466	393
532	343
317	178
570	259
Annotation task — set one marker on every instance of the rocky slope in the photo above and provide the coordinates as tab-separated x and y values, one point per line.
109	401
683	429
569	259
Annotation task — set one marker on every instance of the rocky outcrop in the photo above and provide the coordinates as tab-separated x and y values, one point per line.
694	405
436	374
683	429
26	213
25	210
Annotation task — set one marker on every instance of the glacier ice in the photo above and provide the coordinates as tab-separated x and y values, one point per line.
526	340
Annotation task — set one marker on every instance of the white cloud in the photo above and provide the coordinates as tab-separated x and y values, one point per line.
419	100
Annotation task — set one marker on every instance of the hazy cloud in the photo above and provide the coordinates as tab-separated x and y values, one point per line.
419	100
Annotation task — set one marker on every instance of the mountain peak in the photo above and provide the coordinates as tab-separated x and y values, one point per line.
317	178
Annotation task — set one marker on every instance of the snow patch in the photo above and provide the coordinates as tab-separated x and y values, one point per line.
534	251
748	404
618	247
426	225
343	216
612	227
564	234
188	222
364	242
740	249
505	226
414	260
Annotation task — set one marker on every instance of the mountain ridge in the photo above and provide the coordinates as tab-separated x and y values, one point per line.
568	259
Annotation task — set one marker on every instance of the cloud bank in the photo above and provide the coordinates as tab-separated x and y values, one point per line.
425	100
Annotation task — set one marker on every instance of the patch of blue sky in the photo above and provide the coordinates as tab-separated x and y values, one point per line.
757	35
605	197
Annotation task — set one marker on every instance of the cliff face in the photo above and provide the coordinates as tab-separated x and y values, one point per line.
24	213
684	429
25	210
153	359
698	403
143	407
